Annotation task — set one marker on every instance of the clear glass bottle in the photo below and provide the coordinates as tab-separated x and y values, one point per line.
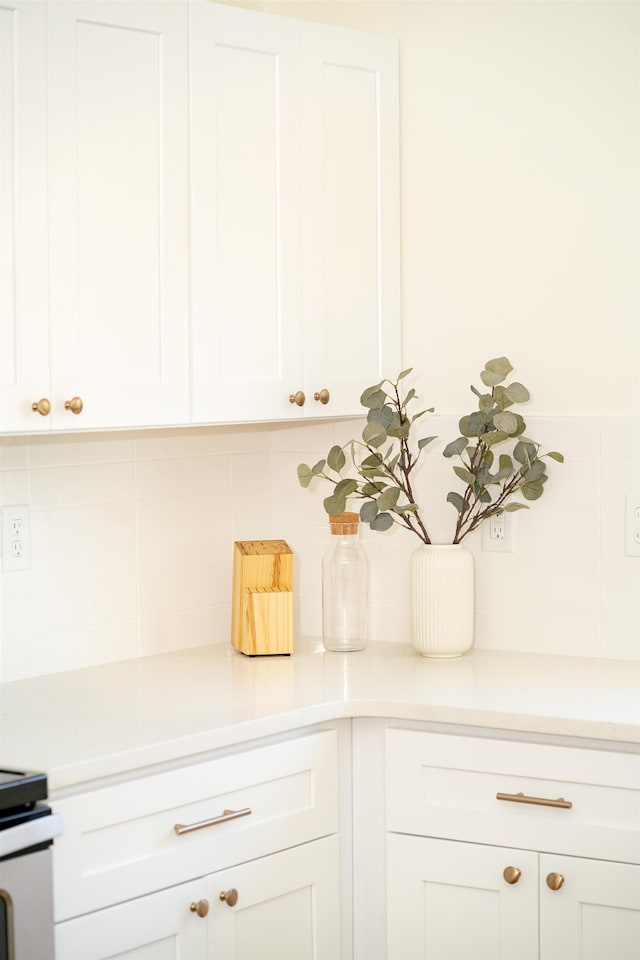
345	587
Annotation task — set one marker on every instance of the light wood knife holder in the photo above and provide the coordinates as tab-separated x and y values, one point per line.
262	601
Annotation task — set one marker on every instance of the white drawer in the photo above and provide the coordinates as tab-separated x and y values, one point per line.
121	841
448	786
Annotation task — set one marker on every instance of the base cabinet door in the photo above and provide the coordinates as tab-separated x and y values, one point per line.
589	909
451	901
287	906
161	926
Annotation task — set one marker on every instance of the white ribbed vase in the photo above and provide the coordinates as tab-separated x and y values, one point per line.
442	600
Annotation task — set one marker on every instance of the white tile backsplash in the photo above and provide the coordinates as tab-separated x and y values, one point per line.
132	541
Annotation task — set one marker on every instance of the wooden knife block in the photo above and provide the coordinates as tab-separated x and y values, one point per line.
262	601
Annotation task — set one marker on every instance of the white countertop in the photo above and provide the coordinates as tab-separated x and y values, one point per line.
105	721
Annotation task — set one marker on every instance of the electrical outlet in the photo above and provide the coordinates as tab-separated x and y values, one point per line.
498	533
632	526
16	538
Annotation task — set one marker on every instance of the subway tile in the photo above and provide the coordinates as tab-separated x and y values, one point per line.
81	485
79	449
14	453
182	477
184	443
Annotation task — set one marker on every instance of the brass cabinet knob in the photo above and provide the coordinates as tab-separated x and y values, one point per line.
554	881
297	398
75	405
322	395
201	908
230	897
511	874
43	407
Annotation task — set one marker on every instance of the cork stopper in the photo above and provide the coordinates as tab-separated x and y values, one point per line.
344	524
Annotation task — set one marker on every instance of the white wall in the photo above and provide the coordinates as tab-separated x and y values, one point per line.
520	213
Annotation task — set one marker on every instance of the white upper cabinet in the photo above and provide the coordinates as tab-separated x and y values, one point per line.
24	307
200	215
114	333
294	219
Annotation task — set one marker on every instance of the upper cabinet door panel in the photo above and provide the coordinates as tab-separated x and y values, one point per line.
24	344
245	213
118	161
351	213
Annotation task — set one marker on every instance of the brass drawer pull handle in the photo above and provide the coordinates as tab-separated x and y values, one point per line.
226	815
555	881
512	874
75	405
297	398
538	801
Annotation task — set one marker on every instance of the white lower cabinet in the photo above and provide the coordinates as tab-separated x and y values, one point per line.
281	907
464	901
506	850
237	856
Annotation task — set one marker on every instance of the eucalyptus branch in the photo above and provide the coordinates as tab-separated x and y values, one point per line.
384	479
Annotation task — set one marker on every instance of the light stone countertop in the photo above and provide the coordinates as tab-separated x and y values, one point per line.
107	721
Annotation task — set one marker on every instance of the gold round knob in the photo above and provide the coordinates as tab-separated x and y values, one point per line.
75	405
322	395
230	897
43	407
297	398
511	874
555	881
201	908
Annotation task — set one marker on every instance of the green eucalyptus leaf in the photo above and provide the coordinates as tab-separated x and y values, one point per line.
521	426
524	452
405	373
335	504
513	506
456	447
345	487
491	439
374	434
424	441
368	511
305	475
336	459
373	460
456	500
488	458
388	499
555	456
506	421
465	475
500	397
505	462
485	403
532	491
536	471
517	393
495	371
373	397
318	467
382	522
409	397
383	415
484	497
372	489
472	425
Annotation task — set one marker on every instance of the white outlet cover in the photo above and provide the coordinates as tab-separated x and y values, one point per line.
632	525
16	548
507	543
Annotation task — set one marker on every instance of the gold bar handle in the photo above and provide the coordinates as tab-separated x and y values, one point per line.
538	801
224	817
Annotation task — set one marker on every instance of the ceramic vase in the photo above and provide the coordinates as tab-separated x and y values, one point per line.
442	600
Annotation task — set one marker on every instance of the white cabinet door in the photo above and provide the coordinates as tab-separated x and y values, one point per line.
449	901
287	908
351	219
594	914
118	202
294	215
24	308
161	926
245	214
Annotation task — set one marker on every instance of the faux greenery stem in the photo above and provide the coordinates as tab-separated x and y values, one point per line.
383	480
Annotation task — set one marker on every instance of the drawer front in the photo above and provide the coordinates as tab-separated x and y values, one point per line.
121	841
448	786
